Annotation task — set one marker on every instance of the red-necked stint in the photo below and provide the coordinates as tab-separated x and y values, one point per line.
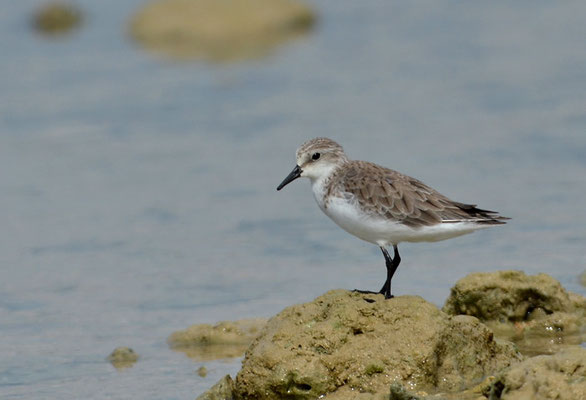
380	205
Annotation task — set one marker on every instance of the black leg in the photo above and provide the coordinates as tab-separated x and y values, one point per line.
392	264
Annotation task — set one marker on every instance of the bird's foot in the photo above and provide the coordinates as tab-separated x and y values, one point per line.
387	295
367	299
365	291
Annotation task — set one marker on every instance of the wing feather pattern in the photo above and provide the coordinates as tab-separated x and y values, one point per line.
390	194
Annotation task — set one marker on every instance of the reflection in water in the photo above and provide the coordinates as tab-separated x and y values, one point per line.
212	351
227	339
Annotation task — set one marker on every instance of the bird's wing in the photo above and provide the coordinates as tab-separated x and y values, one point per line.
392	195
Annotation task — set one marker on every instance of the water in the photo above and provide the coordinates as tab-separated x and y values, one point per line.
137	194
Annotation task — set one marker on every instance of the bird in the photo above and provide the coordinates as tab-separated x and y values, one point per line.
380	205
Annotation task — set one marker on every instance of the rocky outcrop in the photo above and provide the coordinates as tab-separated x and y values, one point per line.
535	312
507	296
350	341
346	345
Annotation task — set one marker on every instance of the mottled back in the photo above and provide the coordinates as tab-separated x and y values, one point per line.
389	194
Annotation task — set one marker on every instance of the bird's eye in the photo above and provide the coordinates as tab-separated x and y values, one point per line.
315	156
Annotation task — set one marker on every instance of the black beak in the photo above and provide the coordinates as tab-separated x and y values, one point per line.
296	173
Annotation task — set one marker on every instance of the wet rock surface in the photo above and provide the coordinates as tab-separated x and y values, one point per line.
560	376
535	312
227	339
219	31
222	390
349	341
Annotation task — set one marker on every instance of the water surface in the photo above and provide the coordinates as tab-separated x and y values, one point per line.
138	194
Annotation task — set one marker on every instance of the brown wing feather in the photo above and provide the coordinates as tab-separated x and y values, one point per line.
390	194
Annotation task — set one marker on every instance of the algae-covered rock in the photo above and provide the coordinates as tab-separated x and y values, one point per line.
222	390
535	312
123	357
56	18
506	296
219	30
560	376
350	341
225	339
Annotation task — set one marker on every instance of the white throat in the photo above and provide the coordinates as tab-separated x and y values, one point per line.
319	185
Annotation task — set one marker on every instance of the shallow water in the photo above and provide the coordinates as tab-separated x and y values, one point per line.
138	194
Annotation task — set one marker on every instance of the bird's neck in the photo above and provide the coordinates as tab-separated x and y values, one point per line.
321	186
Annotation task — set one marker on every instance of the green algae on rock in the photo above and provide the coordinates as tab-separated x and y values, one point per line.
56	18
535	312
225	339
340	341
506	296
219	30
123	357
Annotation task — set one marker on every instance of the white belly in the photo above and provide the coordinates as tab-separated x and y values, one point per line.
384	232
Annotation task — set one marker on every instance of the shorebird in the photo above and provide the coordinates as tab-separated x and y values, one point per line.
380	205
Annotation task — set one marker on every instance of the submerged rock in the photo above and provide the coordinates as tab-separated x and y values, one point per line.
219	30
225	339
56	18
344	341
535	312
561	376
123	357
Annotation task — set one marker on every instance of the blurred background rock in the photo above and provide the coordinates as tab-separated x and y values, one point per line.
219	30
57	18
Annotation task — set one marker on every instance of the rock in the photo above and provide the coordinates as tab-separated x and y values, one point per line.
226	339
583	278
216	30
56	18
561	376
123	357
202	371
506	296
535	312
222	390
395	392
345	341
